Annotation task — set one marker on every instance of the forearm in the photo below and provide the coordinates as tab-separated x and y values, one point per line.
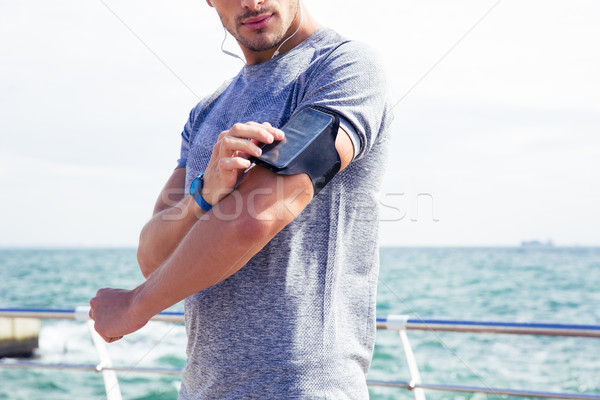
163	233
206	256
217	246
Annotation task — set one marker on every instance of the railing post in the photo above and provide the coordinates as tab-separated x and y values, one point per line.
111	383
398	322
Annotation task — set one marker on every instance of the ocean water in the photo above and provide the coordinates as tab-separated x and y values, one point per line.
560	285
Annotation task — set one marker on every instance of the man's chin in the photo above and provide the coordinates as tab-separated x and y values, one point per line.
260	46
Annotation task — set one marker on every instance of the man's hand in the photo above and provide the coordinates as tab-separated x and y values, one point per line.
230	157
113	313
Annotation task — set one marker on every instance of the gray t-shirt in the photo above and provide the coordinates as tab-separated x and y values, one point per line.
297	321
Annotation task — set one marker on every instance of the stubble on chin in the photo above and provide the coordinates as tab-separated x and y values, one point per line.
259	39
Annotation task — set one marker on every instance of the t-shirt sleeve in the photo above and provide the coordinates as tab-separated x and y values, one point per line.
186	139
195	119
351	82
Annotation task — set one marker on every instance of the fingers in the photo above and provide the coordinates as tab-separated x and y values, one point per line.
231	163
260	133
230	156
243	140
97	313
230	145
109	339
92	306
276	133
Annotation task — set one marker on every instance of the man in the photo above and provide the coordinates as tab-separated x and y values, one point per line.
279	284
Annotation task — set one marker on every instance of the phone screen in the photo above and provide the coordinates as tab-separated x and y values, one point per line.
300	131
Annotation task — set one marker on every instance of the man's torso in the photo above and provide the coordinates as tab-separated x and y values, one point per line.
298	321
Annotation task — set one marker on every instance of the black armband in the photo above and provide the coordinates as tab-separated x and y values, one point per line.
308	147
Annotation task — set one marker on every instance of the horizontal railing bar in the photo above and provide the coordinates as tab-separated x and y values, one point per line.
390	322
37	313
509	392
497	391
79	313
90	367
394	384
490	327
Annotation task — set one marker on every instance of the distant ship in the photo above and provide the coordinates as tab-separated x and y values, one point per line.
537	243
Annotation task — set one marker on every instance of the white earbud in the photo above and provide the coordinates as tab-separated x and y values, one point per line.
292	35
229	53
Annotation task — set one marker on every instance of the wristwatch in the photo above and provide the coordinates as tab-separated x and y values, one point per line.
196	192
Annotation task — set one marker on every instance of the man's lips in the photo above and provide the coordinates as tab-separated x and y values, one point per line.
257	22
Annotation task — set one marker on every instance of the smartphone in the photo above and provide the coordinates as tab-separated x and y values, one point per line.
300	132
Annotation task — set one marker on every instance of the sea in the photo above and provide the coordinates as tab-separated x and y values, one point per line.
520	284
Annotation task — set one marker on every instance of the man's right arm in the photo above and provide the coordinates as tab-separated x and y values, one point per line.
175	212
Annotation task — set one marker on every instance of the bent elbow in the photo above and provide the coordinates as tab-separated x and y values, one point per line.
143	263
264	214
252	229
145	258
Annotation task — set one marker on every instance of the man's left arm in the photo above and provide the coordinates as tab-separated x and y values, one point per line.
216	247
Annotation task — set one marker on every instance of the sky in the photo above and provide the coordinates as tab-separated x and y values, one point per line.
495	137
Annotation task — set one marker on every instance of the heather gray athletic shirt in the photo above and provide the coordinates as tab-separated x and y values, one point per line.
297	321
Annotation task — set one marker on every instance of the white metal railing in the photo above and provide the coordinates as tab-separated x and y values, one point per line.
399	323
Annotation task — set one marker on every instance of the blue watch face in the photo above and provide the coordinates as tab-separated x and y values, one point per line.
194	186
